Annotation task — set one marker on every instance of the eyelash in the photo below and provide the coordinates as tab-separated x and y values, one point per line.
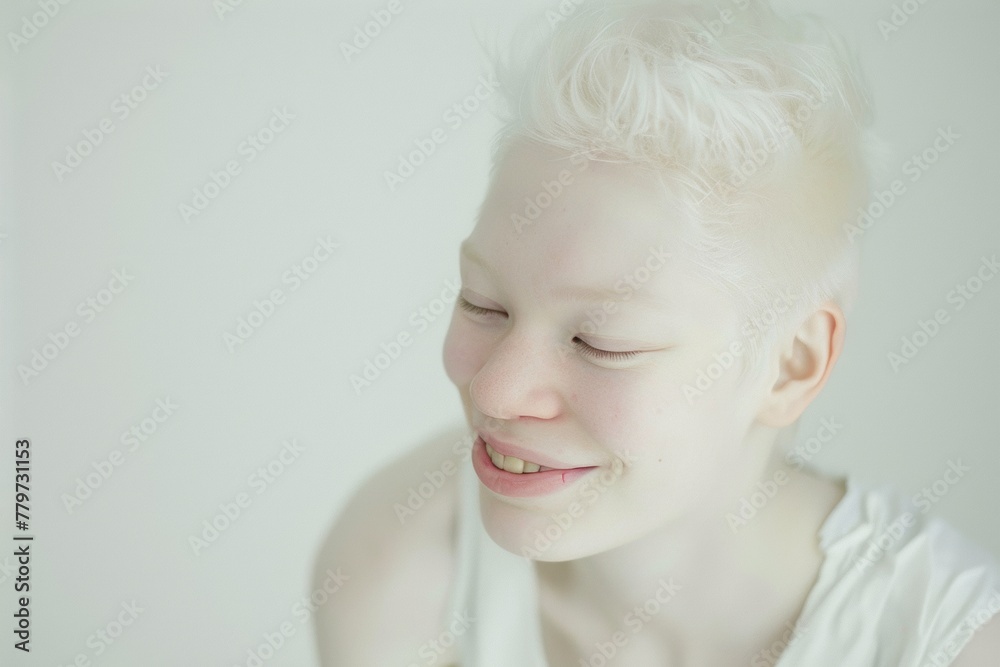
476	310
583	347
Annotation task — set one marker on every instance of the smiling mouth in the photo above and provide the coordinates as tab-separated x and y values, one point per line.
513	464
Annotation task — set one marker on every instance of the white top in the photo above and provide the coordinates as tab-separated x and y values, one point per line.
896	587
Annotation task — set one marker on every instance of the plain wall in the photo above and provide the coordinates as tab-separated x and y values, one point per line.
162	336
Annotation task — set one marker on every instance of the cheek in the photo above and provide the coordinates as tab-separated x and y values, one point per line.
464	353
647	415
630	411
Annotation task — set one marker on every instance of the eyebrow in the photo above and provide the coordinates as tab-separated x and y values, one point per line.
588	295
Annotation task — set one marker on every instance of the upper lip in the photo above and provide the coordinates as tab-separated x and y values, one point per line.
510	449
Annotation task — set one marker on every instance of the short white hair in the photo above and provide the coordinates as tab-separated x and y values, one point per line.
730	117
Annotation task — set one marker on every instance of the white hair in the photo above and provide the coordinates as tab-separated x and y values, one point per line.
743	114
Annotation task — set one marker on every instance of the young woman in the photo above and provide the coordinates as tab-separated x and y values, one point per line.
654	291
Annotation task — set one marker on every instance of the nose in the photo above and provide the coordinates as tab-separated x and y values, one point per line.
519	379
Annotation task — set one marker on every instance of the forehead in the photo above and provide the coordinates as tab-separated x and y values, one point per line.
576	213
551	223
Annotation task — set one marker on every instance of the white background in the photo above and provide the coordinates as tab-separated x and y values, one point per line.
163	335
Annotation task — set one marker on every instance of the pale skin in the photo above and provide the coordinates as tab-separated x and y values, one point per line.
529	373
692	463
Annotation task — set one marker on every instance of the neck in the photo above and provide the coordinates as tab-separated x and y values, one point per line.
705	573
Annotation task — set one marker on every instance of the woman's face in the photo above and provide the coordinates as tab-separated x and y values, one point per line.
582	322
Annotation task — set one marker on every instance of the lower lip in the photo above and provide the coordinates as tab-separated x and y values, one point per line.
521	486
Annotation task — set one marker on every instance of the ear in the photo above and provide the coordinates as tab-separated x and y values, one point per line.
804	364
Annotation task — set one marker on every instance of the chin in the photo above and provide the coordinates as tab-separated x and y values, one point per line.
540	535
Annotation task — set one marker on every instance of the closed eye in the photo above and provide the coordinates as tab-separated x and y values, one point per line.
591	351
476	310
582	346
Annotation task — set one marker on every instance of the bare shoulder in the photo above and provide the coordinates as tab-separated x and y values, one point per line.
393	548
984	647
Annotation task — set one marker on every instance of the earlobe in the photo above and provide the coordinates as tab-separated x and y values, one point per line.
804	365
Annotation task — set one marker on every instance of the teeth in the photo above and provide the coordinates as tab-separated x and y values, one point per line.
512	463
497	458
